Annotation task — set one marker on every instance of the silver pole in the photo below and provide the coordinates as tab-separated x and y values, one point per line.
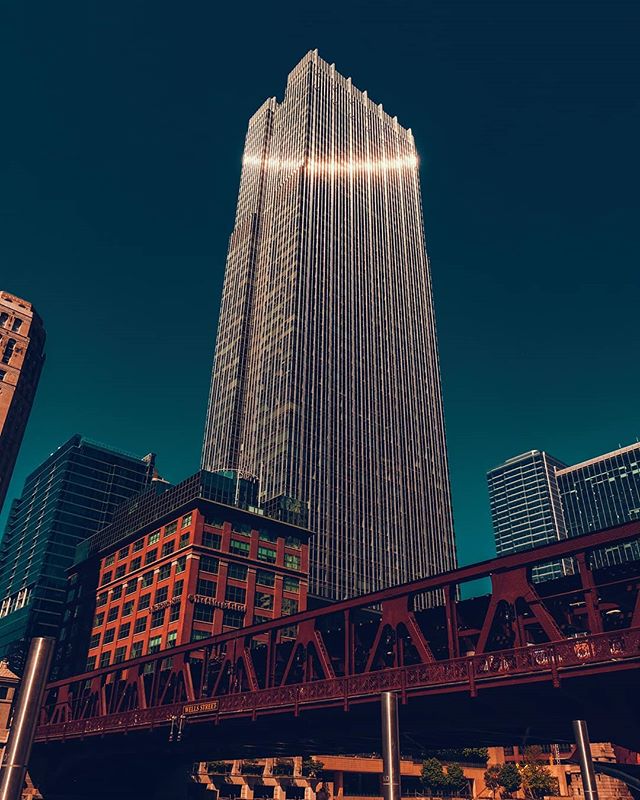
25	717
390	747
583	747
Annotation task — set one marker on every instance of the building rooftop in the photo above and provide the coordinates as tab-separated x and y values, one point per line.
629	448
163	500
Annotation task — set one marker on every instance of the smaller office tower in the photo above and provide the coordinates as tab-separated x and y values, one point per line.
22	339
600	493
526	508
198	559
70	496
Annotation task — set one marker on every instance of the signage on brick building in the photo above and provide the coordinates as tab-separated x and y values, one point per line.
228	605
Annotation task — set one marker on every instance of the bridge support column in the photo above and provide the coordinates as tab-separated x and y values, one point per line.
586	762
25	718
391	747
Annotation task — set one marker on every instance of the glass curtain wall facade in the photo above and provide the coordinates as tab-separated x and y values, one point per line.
601	493
326	382
526	507
70	496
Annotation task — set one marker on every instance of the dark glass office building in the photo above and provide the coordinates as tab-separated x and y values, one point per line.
536	499
73	494
526	507
600	493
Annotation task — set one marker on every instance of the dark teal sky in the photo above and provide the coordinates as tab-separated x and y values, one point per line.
121	137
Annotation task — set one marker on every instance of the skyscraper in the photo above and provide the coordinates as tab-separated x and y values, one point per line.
70	496
326	380
536	499
21	358
526	508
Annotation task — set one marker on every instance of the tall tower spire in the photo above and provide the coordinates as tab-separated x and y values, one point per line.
326	380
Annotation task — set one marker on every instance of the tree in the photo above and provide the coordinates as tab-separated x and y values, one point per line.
456	781
433	777
510	779
492	778
537	780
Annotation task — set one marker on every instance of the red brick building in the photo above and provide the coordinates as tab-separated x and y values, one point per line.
185	568
22	339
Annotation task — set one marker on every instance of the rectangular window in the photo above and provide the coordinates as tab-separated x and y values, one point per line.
116	592
161	594
109	560
174	613
136	650
207	588
91	664
136	563
113	613
235	594
289	606
124	630
137	546
265	578
212	540
105	659
181	564
237	571
177	589
155	643
131	587
186	520
147	579
140	625
172	527
209	564
233	619
293	541
98	619
203	613
168	547
144	602
267	536
94	641
164	572
172	638
264	600
291	584
127	608
239	548
106	577
119	573
184	538
157	618
242	528
291	561
153	537
101	599
109	636
151	556
119	655
123	553
267	554
198	635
